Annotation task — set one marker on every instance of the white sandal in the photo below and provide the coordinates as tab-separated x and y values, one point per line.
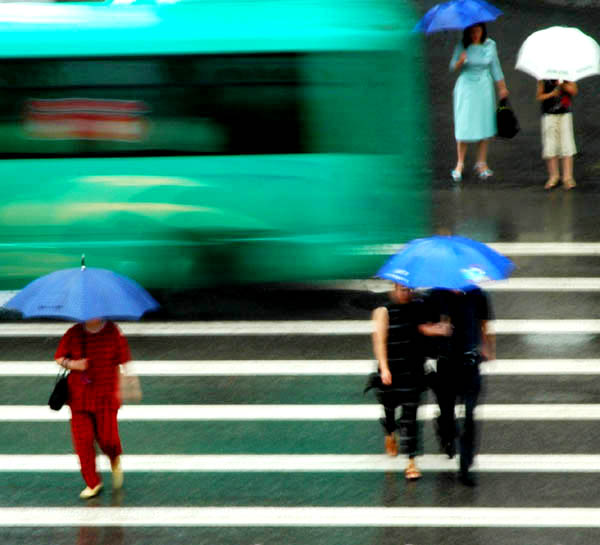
483	171
457	174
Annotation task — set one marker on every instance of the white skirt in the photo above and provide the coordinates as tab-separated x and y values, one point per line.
558	139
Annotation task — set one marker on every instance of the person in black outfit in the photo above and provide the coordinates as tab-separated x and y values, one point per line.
458	375
398	347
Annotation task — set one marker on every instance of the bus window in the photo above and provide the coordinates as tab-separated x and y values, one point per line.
174	105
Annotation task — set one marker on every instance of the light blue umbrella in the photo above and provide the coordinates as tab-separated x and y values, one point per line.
456	15
450	262
82	294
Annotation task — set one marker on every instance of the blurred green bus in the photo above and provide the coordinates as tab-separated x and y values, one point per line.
212	142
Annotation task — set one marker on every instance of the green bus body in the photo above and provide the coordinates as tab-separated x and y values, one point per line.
212	142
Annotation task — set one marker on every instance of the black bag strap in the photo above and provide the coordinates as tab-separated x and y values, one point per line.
62	373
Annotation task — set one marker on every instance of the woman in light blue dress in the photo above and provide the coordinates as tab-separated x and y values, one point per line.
476	58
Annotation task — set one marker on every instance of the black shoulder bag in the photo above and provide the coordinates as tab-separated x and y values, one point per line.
60	392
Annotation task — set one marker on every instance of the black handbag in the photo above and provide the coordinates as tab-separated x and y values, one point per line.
60	392
373	381
472	358
506	120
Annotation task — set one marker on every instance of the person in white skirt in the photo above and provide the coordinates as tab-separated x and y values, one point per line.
558	138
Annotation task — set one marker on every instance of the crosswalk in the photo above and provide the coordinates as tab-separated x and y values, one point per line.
258	432
271	412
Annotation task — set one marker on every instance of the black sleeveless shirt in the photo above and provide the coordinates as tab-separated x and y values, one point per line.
405	348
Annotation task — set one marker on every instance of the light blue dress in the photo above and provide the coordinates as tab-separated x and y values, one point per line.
474	92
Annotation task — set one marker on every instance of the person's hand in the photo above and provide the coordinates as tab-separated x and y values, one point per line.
503	92
555	92
386	377
462	59
78	365
443	328
129	388
487	353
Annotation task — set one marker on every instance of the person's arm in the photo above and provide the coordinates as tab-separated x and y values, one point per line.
488	339
73	365
429	311
381	324
459	57
541	96
439	329
61	357
129	383
488	342
497	73
569	87
501	88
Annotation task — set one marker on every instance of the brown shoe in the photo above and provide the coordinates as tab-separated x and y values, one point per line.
391	448
552	182
569	183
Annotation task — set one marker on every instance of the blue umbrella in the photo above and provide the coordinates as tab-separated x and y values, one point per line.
81	294
456	15
449	262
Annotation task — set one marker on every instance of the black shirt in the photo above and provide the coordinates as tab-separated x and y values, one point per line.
465	310
556	105
405	342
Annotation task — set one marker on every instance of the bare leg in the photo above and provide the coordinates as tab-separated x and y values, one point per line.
567	168
481	166
482	149
553	174
461	153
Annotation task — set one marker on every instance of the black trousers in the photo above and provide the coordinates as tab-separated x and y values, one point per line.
458	380
409	401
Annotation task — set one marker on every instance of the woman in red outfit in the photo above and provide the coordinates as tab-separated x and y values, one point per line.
94	351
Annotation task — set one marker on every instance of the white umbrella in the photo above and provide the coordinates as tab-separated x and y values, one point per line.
559	52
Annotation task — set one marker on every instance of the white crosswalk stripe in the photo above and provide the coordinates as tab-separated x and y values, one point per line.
230	412
293	327
449	517
531	463
202	368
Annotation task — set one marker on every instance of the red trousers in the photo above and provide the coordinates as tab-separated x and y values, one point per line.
89	426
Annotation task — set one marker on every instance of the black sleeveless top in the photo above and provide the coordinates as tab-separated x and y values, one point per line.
405	348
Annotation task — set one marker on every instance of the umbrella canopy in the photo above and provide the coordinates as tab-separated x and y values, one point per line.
449	262
82	294
559	52
456	15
